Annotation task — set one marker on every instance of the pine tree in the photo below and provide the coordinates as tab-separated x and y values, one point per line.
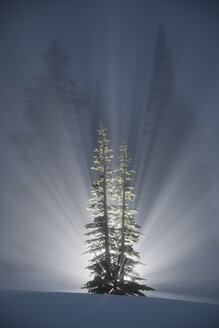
114	230
100	229
161	94
161	109
128	232
51	105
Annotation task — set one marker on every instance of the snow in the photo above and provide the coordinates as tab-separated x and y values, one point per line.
75	310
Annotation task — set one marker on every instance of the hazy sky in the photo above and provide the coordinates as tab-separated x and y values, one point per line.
111	41
108	39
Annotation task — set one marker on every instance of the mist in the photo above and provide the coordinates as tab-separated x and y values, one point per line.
149	71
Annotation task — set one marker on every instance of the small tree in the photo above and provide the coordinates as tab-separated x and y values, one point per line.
100	230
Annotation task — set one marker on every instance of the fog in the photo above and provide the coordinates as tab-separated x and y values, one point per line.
149	71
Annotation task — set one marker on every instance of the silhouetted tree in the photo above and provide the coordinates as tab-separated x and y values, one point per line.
169	122
50	108
161	96
173	137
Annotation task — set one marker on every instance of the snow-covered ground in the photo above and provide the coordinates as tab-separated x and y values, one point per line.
74	310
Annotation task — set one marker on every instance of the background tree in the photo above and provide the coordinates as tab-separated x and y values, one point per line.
161	101
173	171
50	108
99	246
170	123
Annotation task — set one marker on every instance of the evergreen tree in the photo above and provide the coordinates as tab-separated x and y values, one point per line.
114	230
50	108
170	123
100	229
161	96
163	127
173	129
128	232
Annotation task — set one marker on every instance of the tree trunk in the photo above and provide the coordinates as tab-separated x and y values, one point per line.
107	254
122	248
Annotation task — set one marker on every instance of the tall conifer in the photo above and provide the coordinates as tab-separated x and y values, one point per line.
128	232
100	230
113	230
